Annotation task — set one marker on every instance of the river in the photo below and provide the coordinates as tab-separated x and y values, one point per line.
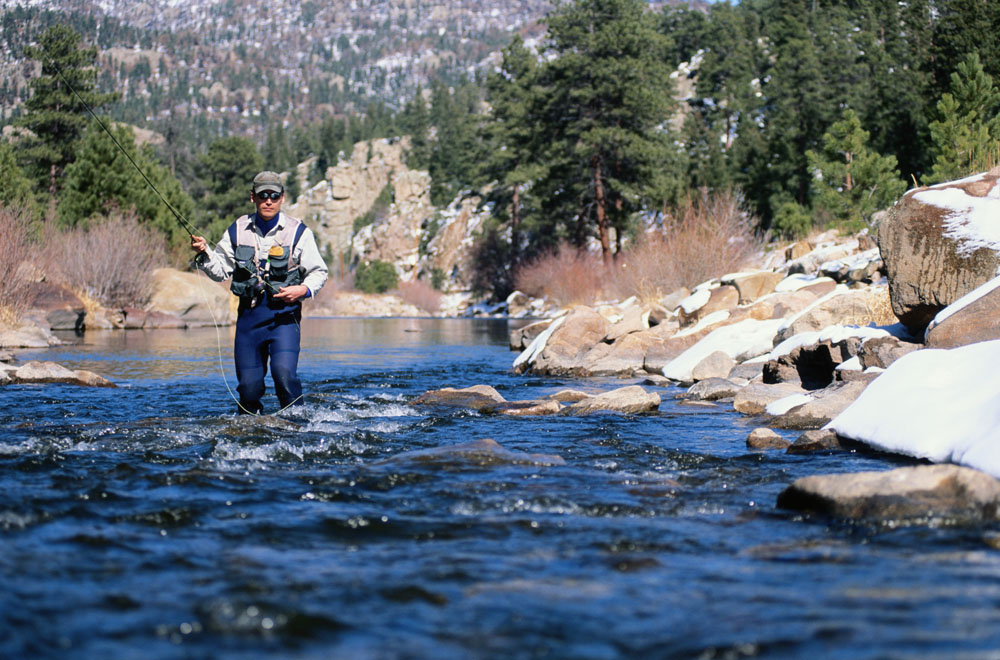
151	522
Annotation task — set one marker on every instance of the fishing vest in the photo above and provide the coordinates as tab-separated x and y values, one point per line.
258	270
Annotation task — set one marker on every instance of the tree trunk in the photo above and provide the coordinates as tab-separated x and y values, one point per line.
601	208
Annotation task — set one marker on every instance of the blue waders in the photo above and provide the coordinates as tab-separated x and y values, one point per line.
267	333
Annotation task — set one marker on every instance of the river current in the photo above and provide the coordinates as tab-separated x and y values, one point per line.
151	522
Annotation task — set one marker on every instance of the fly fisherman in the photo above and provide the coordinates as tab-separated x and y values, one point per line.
274	262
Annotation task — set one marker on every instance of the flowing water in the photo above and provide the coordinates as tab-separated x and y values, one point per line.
151	522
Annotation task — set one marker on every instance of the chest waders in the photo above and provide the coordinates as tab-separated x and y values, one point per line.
267	330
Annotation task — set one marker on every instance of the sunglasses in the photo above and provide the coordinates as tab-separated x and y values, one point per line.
268	195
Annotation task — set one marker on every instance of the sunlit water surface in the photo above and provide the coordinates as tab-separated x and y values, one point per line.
151	522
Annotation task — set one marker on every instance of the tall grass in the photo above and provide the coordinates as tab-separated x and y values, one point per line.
420	294
706	237
111	261
16	257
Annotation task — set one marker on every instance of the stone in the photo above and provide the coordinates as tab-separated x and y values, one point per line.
713	389
672	300
746	371
715	365
753	399
811	366
922	493
527	408
931	252
765	438
657	314
825	405
798	250
815	440
517	304
521	337
582	329
133	319
477	453
192	297
781	305
631	399
843	308
631	320
753	286
880	352
568	396
50	372
27	335
720	298
67	319
975	322
477	397
624	357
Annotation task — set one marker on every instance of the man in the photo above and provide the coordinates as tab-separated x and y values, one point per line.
275	264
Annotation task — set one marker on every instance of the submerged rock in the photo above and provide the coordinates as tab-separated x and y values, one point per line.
951	492
50	372
478	453
477	397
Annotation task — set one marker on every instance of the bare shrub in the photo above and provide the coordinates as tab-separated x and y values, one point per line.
15	253
706	237
111	261
565	277
419	294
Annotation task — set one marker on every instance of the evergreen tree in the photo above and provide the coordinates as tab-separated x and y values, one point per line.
15	186
453	157
964	137
56	113
853	182
963	27
227	169
415	122
608	96
101	180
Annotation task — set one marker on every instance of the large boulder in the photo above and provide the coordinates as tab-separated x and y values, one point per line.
842	306
752	286
923	492
741	341
192	297
978	320
565	343
27	335
49	372
477	397
937	245
706	301
825	405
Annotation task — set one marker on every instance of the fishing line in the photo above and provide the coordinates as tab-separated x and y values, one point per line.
184	224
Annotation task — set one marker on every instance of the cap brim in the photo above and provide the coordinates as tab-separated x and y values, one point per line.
267	187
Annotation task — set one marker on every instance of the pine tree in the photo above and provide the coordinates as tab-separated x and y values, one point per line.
15	186
56	113
101	180
227	170
964	137
852	182
609	94
415	122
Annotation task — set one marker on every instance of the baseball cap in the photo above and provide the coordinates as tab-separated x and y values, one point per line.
267	180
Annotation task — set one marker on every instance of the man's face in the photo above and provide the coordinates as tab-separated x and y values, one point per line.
268	203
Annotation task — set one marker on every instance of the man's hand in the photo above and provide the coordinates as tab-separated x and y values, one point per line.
289	294
199	244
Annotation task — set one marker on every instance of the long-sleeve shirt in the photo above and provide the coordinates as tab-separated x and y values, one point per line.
219	264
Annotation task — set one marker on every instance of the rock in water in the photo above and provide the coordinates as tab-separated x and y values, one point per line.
479	453
950	492
632	399
477	397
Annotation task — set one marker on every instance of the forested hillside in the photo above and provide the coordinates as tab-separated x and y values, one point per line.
590	127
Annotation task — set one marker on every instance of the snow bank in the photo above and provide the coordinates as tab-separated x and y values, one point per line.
740	341
943	405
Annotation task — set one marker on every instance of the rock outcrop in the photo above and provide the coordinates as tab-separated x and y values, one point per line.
936	245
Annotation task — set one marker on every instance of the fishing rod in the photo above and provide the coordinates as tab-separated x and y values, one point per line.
180	218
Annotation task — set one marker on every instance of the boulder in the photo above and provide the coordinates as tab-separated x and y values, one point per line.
631	399
824	406
715	365
936	246
630	320
880	352
521	337
754	398
811	366
781	305
570	339
568	396
765	438
67	319
753	286
133	319
741	341
707	301
192	297
625	356
477	397
813	441
843	306
713	389
746	371
979	320
798	250
27	335
163	320
921	493
50	372
527	408
517	304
